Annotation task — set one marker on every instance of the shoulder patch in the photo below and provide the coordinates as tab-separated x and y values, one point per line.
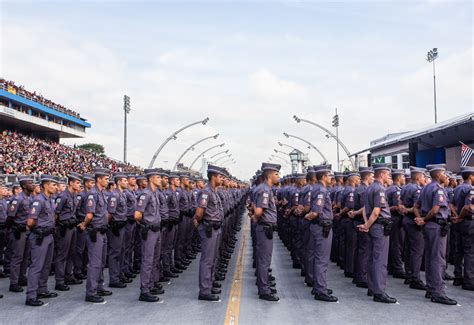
204	196
90	197
265	194
36	203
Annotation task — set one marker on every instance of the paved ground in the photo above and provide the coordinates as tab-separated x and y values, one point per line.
180	304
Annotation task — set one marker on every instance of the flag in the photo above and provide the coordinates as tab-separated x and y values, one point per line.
466	154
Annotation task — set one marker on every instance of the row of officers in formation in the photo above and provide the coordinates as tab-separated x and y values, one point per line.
373	222
152	225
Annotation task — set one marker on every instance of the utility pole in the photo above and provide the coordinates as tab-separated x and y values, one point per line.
126	109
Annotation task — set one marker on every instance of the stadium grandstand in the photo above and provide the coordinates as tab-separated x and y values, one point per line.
30	129
31	113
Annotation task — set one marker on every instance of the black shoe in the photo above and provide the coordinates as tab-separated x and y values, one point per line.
15	288
94	299
208	297
180	267
119	285
4	275
73	281
444	300
23	282
309	284
147	297
468	287
448	277
1	296
216	284
329	291
362	285
370	293
164	279
104	293
216	291
219	278
457	282
384	298
176	271
124	279
417	285
399	275
428	295
157	291
34	302
269	297
80	276
170	275
296	266
349	275
407	281
62	287
222	270
157	284
46	295
325	297
272	283
273	291
130	275
269	270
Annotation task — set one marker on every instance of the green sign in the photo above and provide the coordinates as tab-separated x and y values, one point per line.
379	160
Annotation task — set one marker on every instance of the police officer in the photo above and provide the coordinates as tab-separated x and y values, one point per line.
397	236
431	211
65	241
321	217
359	217
464	230
127	255
185	224
305	207
348	232
96	240
414	235
169	238
41	224
80	258
208	220
3	228
148	221
18	212
378	228
117	209
265	215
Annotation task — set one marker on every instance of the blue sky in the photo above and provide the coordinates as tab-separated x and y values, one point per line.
249	66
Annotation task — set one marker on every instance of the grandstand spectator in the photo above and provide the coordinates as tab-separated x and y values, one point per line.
21	154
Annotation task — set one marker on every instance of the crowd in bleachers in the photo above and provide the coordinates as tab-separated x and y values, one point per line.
36	97
21	154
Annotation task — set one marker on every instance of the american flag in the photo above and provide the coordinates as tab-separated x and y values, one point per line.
466	154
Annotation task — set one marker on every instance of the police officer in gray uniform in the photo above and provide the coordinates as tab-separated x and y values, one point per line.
170	233
208	220
378	225
65	241
96	240
464	230
41	225
431	211
265	215
18	212
321	217
127	248
117	209
149	225
80	258
414	235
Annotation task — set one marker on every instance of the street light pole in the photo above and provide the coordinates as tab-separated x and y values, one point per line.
335	124
173	136
308	143
192	147
299	120
281	158
220	158
291	147
204	152
126	110
431	57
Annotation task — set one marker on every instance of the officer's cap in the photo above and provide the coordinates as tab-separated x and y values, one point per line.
270	166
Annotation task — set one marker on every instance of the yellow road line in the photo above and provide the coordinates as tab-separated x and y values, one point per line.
233	306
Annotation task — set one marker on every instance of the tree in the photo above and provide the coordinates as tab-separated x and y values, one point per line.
93	147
